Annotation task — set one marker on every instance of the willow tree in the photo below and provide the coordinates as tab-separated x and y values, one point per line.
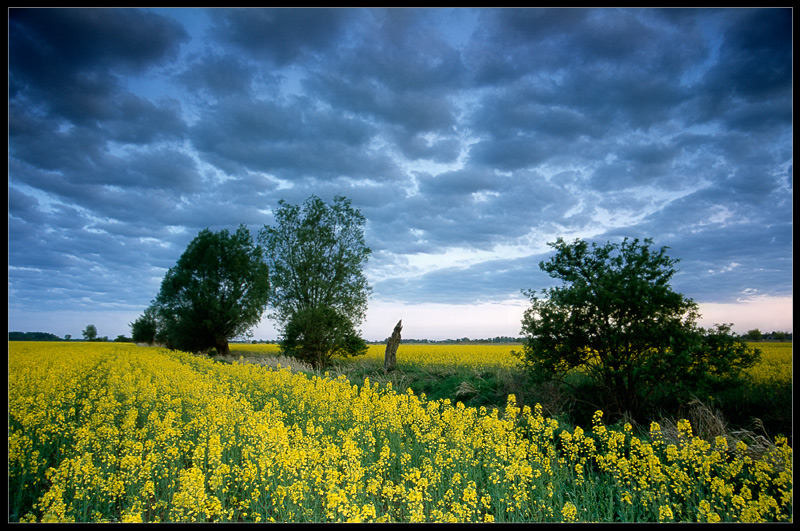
216	291
316	254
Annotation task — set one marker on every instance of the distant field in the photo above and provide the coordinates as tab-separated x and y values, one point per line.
775	365
418	354
776	362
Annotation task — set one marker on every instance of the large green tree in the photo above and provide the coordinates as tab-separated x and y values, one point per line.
316	255
316	335
145	327
90	333
616	319
216	291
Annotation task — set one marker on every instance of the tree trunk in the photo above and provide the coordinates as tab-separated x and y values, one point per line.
222	347
390	358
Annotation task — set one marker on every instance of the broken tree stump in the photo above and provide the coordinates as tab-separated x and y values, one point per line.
390	358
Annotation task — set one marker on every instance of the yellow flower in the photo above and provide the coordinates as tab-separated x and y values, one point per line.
665	514
721	443
569	512
191	439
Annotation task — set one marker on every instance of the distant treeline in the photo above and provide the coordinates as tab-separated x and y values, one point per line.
47	336
33	336
463	340
752	335
756	335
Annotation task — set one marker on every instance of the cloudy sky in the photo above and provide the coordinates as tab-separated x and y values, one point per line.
468	138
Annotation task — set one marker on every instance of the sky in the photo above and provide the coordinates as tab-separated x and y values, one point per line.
468	138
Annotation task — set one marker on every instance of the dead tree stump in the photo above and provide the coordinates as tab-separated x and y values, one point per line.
390	358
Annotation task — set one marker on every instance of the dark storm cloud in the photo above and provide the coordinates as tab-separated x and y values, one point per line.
573	100
289	141
397	84
458	133
219	76
478	209
755	56
460	183
70	59
402	76
405	52
22	205
492	280
68	105
416	112
441	150
279	35
47	41
556	49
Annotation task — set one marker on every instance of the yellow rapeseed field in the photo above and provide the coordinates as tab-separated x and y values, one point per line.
775	364
115	432
473	355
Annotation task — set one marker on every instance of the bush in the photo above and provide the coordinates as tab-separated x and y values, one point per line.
616	320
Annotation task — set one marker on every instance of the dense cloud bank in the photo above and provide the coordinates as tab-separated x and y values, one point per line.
468	138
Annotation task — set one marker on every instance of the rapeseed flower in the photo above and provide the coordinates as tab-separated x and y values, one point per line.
112	432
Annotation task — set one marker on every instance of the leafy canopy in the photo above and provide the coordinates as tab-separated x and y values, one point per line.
90	333
316	256
316	335
616	319
145	327
216	291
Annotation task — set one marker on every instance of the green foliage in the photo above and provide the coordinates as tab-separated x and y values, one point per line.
90	333
753	335
718	361
316	256
145	328
616	319
218	290
34	336
315	335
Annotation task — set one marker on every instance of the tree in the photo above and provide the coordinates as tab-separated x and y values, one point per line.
33	336
145	328
316	335
780	336
216	291
616	319
753	335
90	333
319	292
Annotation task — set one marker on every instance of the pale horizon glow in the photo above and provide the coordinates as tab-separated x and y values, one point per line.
431	321
767	314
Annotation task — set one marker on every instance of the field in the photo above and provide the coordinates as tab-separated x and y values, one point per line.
775	365
485	374
114	432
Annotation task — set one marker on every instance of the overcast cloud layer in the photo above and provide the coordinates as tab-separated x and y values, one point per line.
468	138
